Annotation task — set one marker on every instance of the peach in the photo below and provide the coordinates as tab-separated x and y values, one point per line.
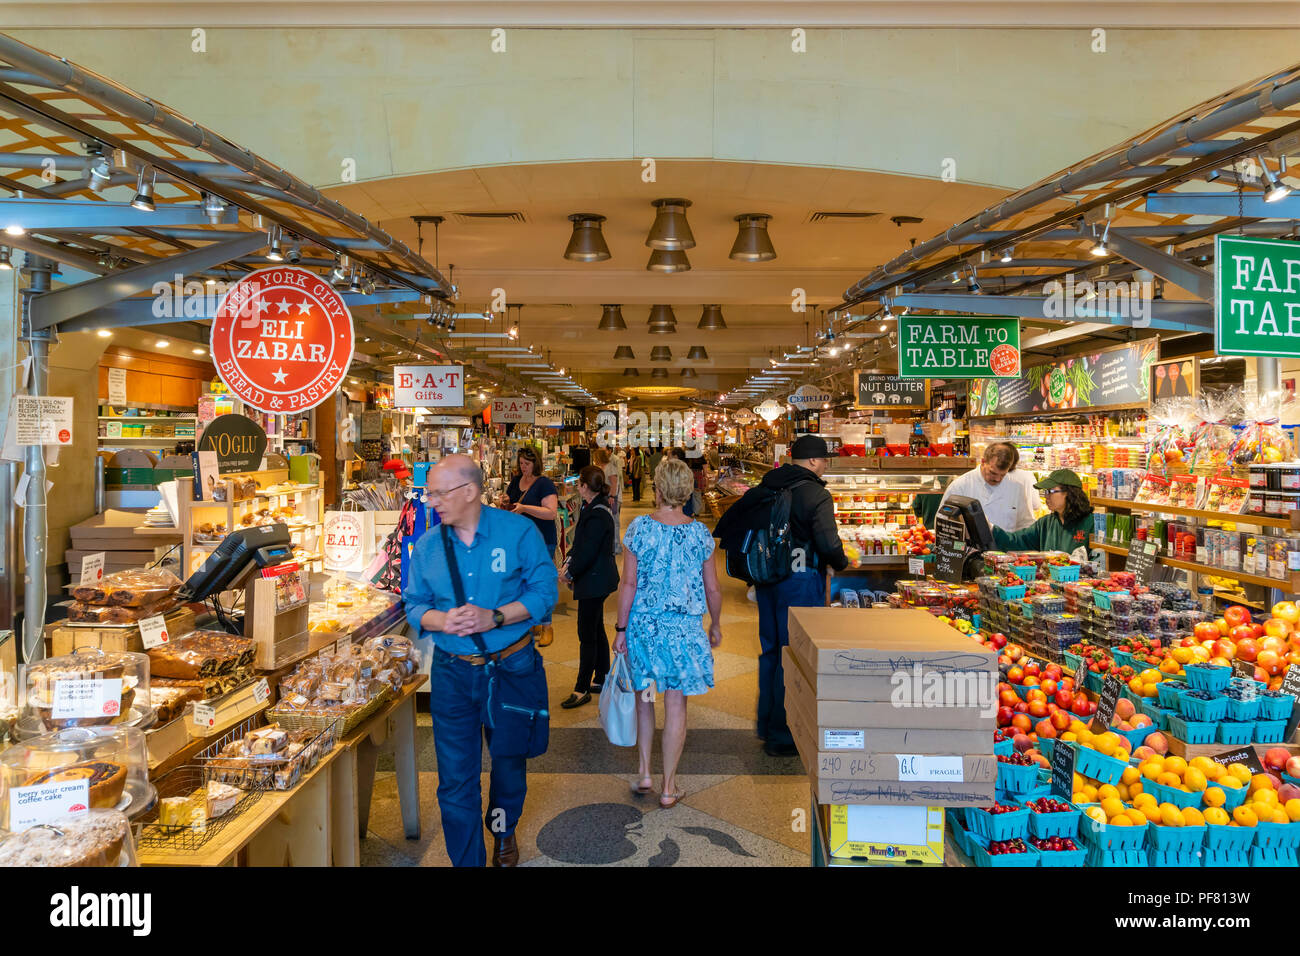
1139	721
1158	742
1124	709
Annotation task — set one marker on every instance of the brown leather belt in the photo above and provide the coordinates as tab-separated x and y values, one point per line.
478	660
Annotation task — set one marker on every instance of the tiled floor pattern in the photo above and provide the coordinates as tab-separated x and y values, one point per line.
743	808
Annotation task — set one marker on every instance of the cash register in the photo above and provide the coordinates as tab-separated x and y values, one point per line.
962	535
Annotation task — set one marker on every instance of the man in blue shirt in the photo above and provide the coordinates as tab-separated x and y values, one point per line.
509	584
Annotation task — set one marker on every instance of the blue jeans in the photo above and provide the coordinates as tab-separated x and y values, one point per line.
800	589
457	701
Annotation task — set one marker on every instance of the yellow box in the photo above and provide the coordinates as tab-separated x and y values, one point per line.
912	835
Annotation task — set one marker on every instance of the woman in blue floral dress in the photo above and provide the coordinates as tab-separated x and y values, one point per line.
669	581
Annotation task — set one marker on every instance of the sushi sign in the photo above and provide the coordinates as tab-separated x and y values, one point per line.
1256	296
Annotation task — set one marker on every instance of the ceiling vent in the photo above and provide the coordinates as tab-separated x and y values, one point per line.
841	216
470	218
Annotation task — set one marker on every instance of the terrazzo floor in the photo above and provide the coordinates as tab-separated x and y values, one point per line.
743	808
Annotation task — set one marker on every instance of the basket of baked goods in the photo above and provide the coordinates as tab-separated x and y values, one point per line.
88	688
90	838
193	807
273	756
103	768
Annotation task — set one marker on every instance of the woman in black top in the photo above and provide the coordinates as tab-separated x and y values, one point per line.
534	495
594	576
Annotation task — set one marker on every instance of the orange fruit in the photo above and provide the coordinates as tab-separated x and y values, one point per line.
1175	765
1112	806
1095	813
1169	779
1106	791
1260	781
1151	770
1152	812
1135	789
1192	817
1121	821
1218	816
1169	816
1293	810
1194	779
1215	797
1244	816
1280	816
1264	796
1137	817
1240	771
1130	775
1104	744
1146	799
1230	781
1077	797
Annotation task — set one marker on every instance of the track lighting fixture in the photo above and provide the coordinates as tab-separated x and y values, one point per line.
144	190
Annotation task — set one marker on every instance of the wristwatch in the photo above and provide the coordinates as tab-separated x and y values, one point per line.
498	618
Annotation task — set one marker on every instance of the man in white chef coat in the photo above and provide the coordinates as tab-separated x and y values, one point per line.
1005	494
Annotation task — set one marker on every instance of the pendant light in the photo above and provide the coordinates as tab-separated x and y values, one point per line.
631	373
662	321
671	231
752	241
689	373
698	353
659	373
587	243
144	190
668	262
661	353
611	319
624	352
711	318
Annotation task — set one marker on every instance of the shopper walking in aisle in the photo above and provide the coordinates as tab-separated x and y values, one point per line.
534	495
1006	495
477	585
691	507
668	583
1068	524
593	574
815	545
603	460
636	468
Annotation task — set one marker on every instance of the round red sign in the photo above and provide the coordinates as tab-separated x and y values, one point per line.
65	436
710	428
282	339
1005	360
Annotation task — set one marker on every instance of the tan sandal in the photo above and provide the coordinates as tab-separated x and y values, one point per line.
544	634
672	798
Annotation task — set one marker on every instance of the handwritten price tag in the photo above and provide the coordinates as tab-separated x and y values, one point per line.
153	631
205	715
916	567
262	691
92	568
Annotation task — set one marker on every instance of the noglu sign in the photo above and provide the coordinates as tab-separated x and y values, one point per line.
1256	296
958	346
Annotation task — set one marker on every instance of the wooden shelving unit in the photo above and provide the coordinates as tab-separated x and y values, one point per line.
309	501
1289	523
1291	585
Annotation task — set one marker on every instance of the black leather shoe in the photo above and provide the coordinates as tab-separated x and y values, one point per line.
780	750
576	700
505	851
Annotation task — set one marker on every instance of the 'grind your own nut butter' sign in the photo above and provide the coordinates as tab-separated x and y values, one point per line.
282	339
1256	296
958	346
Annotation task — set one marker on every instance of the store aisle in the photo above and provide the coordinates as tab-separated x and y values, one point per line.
741	803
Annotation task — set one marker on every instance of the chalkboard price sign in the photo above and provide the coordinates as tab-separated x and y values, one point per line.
1291	685
949	549
1106	702
1063	770
1245	755
1141	559
1244	669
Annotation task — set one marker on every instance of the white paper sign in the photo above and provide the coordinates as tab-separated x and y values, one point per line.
513	409
261	691
428	386
43	420
844	740
92	568
919	767
548	416
153	631
117	386
916	567
205	715
87	698
47	802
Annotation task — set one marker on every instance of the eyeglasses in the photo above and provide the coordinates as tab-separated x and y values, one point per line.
439	495
1052	491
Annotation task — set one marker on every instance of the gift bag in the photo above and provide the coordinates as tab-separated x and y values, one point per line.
618	705
349	540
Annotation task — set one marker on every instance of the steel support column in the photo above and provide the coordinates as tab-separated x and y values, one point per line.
34	516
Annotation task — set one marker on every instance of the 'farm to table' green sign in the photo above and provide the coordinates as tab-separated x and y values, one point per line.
958	346
1256	296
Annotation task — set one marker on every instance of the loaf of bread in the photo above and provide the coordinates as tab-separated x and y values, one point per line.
200	654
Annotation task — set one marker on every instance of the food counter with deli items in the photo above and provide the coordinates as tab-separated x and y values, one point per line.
1192	758
168	743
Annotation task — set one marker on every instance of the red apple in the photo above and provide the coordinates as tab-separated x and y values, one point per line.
1276	627
1247	646
1053	671
1048	687
1016	675
1035	693
1256	630
1236	615
1288	791
1021	742
1292	768
1224	648
1206	631
1064	698
1015	652
998	640
1008	698
1060	720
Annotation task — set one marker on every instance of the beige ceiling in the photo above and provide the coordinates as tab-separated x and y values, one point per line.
561	300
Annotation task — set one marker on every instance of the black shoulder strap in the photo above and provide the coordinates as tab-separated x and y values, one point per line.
457	588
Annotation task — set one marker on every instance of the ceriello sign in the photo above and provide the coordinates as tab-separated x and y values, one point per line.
808	396
428	386
282	339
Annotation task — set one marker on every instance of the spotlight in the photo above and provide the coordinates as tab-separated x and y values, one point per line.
587	243
198	351
972	285
1006	254
1099	248
104	333
339	274
1275	189
144	190
670	232
13	229
355	284
294	252
99	174
514	331
161	344
274	254
611	319
210	280
752	241
213	208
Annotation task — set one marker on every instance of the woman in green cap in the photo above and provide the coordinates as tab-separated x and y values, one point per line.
1067	526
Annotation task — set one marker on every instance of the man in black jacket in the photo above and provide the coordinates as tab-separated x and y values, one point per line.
815	545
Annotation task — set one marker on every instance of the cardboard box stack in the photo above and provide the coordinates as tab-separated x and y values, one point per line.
891	708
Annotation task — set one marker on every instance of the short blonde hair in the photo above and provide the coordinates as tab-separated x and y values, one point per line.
674	481
600	456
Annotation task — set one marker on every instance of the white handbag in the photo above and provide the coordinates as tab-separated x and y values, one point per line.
618	704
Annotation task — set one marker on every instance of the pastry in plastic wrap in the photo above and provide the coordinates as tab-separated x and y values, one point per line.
169	702
129	588
221	798
80	613
94	839
200	654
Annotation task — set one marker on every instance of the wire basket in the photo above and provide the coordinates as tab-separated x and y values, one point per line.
182	782
269	771
343	723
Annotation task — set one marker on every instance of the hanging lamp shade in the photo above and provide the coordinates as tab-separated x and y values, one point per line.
689	373
624	352
587	243
670	231
711	318
659	373
698	353
611	319
630	373
668	262
753	244
662	321
661	353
